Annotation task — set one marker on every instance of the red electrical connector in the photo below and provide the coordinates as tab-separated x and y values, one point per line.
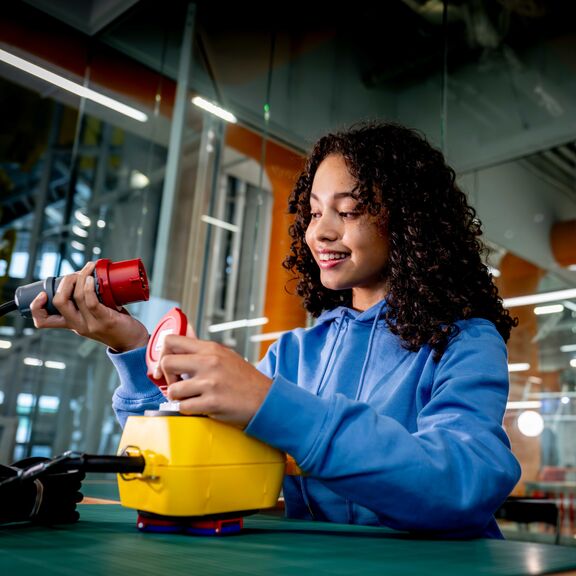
173	322
117	283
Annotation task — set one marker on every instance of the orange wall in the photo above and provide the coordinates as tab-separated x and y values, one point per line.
563	242
282	167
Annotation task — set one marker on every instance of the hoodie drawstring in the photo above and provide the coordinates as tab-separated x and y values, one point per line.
321	384
368	351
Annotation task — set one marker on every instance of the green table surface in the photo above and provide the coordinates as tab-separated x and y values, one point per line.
106	542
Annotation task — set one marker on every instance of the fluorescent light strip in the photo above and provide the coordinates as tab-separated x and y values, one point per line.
568	348
494	271
70	86
214	109
539	298
548	395
267	336
518	367
237	324
523	404
219	223
5	344
79	231
29	361
55	365
82	218
550	309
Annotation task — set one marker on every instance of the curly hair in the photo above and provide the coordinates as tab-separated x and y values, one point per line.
435	272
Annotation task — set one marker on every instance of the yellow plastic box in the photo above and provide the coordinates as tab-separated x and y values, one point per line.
197	466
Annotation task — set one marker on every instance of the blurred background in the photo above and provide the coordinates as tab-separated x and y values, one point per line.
173	132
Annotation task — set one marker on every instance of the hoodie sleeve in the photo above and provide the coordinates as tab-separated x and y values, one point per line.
449	475
136	392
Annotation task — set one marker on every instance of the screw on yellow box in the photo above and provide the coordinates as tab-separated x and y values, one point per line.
197	466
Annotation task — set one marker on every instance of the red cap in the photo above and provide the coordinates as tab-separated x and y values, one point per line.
173	322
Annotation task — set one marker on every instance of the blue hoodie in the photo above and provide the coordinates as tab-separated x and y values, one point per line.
384	436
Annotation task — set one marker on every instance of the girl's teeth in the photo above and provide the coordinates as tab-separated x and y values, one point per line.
332	256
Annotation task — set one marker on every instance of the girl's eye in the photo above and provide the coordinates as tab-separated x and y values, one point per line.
314	215
349	215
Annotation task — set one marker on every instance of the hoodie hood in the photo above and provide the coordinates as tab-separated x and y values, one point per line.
374	313
369	321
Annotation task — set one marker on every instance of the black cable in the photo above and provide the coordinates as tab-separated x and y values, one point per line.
80	461
8	307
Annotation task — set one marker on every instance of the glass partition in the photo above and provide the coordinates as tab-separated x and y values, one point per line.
82	179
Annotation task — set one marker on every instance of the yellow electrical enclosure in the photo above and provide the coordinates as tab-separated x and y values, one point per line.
197	466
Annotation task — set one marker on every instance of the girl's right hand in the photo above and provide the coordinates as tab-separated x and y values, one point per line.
82	312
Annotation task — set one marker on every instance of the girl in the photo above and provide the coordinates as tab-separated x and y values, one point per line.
392	403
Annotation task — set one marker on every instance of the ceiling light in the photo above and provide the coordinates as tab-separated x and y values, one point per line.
494	271
573	362
518	367
25	400
79	231
267	336
101	224
568	348
523	404
237	324
214	109
219	223
138	180
5	344
539	298
70	86
55	365
32	361
550	309
549	395
77	245
49	403
530	423
82	218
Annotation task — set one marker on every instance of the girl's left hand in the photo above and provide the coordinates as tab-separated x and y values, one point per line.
217	381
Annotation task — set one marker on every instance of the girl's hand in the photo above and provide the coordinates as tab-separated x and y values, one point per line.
218	382
82	312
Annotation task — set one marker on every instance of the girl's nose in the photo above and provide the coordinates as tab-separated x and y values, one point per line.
325	229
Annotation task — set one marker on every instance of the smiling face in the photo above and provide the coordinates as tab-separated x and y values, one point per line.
350	246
